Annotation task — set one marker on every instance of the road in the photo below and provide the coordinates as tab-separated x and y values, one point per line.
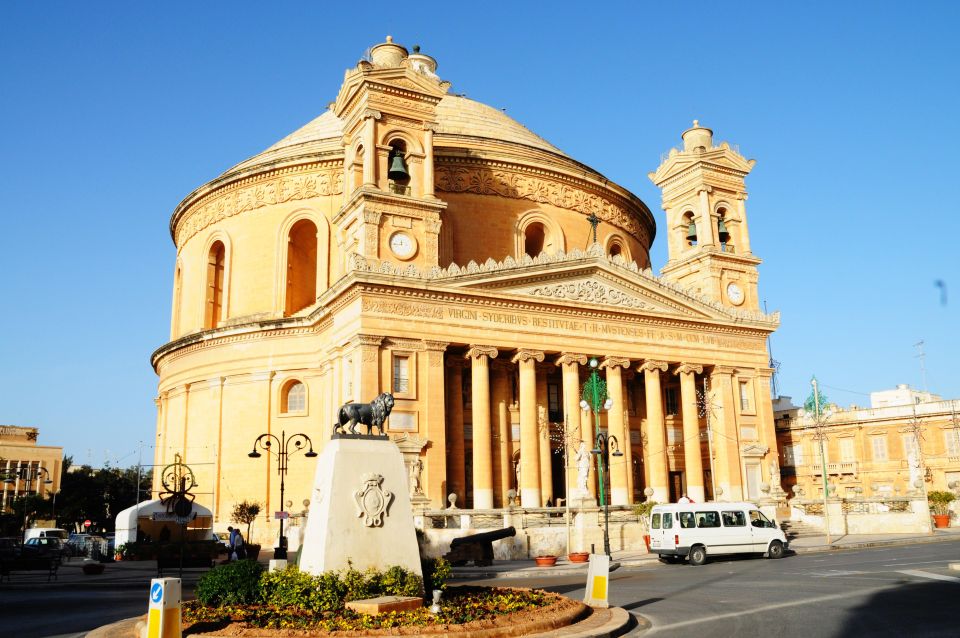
891	591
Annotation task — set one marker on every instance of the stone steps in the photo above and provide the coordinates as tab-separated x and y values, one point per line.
794	529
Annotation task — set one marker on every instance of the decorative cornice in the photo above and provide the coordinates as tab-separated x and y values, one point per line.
525	354
651	365
689	368
435	346
476	352
400	343
366	340
571	357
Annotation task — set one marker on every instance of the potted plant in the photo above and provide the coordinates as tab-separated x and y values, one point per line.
940	506
546	561
121	552
578	557
642	510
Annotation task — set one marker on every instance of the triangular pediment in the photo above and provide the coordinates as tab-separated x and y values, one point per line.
397	77
721	157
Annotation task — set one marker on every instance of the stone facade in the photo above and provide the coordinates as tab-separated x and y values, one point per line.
21	459
416	242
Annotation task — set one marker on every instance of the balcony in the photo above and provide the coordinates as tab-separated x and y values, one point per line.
835	469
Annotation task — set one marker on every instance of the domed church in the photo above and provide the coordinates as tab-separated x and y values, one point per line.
412	241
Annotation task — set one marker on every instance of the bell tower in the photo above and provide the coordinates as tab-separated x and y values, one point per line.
708	243
388	107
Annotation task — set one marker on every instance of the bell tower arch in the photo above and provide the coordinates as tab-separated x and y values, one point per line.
708	242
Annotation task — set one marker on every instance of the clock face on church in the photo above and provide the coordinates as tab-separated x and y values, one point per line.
735	294
403	245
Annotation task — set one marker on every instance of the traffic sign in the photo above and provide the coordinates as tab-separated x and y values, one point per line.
87	523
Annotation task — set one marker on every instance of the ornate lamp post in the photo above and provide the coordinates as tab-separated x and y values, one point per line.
594	397
820	418
266	442
28	474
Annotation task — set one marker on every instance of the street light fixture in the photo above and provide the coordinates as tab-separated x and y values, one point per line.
821	435
28	474
595	392
266	442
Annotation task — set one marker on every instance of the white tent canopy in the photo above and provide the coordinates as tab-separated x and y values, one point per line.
152	517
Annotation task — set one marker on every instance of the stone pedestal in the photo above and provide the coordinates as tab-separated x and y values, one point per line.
360	509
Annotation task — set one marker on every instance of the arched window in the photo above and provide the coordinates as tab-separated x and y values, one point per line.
534	236
689	229
301	267
177	302
216	258
616	249
294	398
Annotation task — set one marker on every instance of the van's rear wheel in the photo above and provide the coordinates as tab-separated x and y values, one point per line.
698	555
776	550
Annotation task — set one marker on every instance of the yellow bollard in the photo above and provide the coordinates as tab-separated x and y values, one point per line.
163	616
598	580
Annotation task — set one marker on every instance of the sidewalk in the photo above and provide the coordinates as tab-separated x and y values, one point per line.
639	557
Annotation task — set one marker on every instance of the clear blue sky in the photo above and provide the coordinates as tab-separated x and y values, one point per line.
110	113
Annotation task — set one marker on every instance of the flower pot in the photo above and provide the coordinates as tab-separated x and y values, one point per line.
578	557
546	561
92	569
941	520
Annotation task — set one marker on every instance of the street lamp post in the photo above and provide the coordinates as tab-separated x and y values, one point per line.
593	398
28	474
266	442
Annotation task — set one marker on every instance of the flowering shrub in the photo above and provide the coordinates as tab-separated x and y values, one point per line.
462	605
436	571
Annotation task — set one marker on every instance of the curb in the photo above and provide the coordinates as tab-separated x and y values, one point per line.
526	572
838	547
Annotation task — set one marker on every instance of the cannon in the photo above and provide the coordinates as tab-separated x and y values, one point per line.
476	547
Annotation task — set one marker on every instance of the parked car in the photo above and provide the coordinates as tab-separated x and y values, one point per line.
45	532
43	547
9	547
223	540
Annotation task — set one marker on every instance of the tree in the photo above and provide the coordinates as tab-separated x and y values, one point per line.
245	512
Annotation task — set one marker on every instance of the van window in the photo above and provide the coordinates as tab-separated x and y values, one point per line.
686	520
655	521
667	520
734	519
708	519
758	519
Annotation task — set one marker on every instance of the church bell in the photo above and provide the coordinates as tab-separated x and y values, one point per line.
692	231
722	232
398	168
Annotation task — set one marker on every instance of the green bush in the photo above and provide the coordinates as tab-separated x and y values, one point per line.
293	588
397	581
436	571
236	583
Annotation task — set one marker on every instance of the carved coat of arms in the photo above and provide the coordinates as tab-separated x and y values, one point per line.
373	501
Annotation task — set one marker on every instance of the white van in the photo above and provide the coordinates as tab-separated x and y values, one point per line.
698	530
45	532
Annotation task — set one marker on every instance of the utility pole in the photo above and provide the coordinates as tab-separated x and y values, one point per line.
820	436
923	362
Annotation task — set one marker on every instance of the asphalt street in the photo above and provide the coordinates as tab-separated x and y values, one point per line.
890	591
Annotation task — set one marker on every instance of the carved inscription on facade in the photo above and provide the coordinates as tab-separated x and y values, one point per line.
516	185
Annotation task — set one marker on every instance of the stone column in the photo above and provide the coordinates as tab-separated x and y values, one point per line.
482	436
529	440
692	460
767	430
570	367
456	469
502	467
367	367
615	428
742	224
725	435
706	220
656	430
370	148
428	160
434	414
543	433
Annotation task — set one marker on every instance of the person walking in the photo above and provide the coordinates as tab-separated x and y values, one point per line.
233	542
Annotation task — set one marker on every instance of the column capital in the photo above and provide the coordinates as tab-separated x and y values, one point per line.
723	370
615	362
651	365
689	368
431	126
766	373
570	357
435	346
523	354
372	113
475	352
366	340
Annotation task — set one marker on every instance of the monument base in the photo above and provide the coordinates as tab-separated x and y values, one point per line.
360	514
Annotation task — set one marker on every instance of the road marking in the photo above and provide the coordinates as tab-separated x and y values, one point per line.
920	574
765	608
919	562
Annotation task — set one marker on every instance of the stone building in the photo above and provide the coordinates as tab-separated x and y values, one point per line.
25	466
410	240
875	452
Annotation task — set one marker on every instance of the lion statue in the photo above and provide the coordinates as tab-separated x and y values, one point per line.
371	414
